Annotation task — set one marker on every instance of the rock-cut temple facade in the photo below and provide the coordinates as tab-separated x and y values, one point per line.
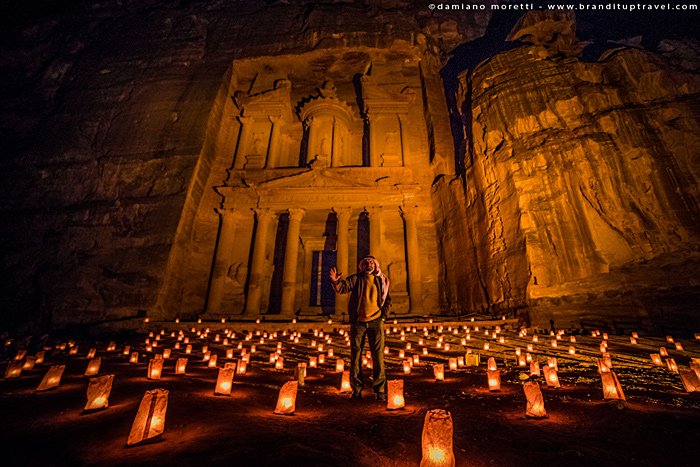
311	172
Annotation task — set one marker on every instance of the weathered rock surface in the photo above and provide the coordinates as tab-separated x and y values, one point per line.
582	187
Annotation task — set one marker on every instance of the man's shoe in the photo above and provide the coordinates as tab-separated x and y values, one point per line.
356	396
380	396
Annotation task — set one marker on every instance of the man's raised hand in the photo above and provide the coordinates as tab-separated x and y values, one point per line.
335	275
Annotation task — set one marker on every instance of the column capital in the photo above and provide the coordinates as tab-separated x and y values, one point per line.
263	213
408	211
276	119
296	213
245	120
229	212
374	210
343	212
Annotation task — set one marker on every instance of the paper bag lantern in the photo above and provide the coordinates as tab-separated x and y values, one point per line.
663	352
633	340
229	353
330	353
312	362
611	386
98	391
679	346
188	349
166	353
395	399
20	355
339	365
212	361
453	364
522	360
73	350
40	357
671	364
416	360
572	350
150	418
534	368
29	363
286	402
406	367
690	380
602	366
241	367
14	369
134	357
93	366
696	368
535	339
321	359
486	345
112	346
425	351
494	377
155	368
127	349
52	378
491	364
535	401
552	363
655	358
550	376
180	366
224	382
402	353
437	444
279	364
91	353
472	359
345	382
439	371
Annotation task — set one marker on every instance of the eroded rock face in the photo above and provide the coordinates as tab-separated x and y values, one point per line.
584	182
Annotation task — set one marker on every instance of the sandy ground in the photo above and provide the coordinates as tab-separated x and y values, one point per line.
658	426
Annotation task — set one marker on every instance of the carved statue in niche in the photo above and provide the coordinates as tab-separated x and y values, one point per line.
392	149
325	146
258	148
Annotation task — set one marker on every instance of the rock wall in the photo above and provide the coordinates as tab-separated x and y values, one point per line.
105	112
582	189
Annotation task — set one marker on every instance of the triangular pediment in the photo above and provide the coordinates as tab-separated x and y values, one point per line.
319	178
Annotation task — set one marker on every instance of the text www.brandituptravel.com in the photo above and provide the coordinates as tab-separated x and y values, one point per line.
568	6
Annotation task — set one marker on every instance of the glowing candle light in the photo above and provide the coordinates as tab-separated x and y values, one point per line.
112	346
155	368
321	359
669	339
452	362
150	418
416	359
491	363
345	382
572	350
339	365
212	361
406	367
91	353
679	346
554	343
437	444
494	377
134	357
286	402
241	367
395	399
611	386
425	351
690	380
671	364
534	368
522	361
180	366
552	363
224	382
655	358
93	366
52	378
439	372
550	376
633	340
98	391
166	353
279	364
535	339
460	361
535	401
572	339
386	350
312	362
486	345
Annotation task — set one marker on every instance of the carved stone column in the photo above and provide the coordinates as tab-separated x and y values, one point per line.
413	259
404	139
312	140
257	267
342	254
374	160
244	136
335	148
222	258
289	275
375	232
273	149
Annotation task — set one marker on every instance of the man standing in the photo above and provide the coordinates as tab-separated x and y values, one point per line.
368	308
